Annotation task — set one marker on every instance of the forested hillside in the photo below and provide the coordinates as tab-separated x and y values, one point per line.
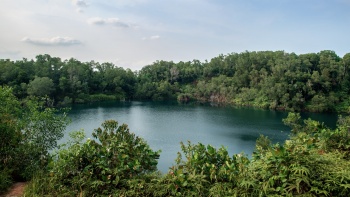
316	82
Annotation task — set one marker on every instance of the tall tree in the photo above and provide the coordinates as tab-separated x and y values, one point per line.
41	86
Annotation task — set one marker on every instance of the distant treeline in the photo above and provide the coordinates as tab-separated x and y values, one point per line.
316	82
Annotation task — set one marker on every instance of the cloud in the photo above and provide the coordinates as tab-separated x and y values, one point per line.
155	37
80	3
54	41
108	21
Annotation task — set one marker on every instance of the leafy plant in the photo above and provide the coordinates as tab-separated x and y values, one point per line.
313	162
104	165
205	171
28	130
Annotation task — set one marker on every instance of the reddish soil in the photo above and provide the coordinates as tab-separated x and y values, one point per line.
16	190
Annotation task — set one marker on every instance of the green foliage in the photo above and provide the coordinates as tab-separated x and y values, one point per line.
313	162
294	121
184	97
10	133
205	171
66	101
10	136
5	179
102	166
28	131
102	97
40	86
298	168
317	82
42	128
263	144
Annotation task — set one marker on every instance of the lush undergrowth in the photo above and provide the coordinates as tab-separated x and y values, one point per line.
313	162
28	131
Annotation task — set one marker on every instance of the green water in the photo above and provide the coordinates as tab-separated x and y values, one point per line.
165	124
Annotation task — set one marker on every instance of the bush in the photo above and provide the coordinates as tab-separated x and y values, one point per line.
103	166
313	162
101	97
28	130
5	179
205	171
184	97
66	101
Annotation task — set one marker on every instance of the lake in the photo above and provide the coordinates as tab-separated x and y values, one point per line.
165	124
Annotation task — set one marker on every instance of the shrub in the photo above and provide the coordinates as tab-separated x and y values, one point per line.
102	97
104	166
313	162
184	97
28	130
205	171
5	179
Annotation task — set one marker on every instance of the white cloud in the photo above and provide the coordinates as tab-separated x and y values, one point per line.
54	41
108	21
155	37
96	21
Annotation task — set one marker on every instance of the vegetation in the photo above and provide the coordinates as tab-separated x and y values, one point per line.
102	167
313	162
28	130
317	82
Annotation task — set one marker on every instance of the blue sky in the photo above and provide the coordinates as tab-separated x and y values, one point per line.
135	33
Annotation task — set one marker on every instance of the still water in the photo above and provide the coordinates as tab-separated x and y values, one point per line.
165	124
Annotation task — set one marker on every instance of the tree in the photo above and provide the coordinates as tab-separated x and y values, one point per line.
28	130
40	86
10	136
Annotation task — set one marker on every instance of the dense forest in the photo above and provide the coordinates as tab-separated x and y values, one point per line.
317	82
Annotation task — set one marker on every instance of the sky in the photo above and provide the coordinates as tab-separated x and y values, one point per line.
136	33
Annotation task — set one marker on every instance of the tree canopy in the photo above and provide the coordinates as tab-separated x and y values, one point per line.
317	82
40	86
